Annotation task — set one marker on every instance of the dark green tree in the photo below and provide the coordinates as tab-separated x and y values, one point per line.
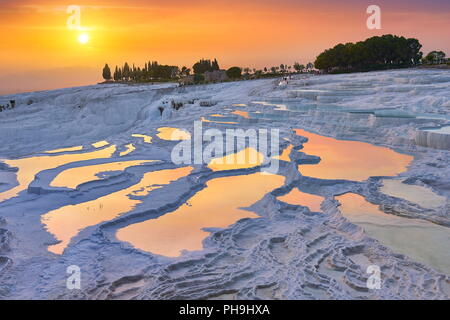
215	65
375	53
116	74
199	78
435	57
205	65
234	73
298	67
106	73
126	72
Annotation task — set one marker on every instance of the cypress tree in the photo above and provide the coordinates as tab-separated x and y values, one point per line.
116	74
215	65
106	73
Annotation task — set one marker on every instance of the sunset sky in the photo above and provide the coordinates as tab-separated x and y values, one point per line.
38	51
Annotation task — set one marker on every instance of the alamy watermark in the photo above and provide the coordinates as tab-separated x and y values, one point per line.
220	144
73	282
374	20
74	19
374	280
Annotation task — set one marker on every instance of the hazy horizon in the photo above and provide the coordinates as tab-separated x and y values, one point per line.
39	80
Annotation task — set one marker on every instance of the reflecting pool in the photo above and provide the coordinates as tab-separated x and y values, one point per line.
350	160
219	205
66	222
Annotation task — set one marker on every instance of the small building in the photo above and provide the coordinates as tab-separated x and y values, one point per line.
216	76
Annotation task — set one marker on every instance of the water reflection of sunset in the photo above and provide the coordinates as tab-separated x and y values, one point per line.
65	223
217	206
246	158
29	167
73	177
350	160
296	197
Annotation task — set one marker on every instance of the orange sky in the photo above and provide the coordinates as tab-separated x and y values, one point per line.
36	42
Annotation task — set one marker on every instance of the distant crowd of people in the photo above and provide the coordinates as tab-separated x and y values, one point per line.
9	106
285	80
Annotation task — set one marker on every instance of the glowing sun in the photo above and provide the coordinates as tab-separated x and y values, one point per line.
83	38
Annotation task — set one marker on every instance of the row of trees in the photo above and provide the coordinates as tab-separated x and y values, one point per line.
282	69
376	53
153	71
